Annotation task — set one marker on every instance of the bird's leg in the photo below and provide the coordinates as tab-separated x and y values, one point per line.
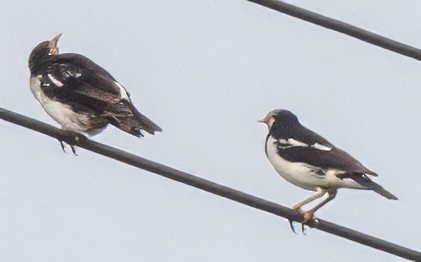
297	207
309	214
320	193
70	138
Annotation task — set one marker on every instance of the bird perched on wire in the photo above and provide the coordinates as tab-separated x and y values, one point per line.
80	95
309	161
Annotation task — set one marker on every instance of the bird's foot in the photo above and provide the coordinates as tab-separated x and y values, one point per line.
298	209
64	147
291	225
70	138
307	216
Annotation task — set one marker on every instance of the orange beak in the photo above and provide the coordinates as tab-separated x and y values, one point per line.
264	120
53	45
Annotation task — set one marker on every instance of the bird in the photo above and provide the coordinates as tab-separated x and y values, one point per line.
307	160
80	95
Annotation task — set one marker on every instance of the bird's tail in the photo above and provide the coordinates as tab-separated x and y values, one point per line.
127	118
145	122
380	190
363	180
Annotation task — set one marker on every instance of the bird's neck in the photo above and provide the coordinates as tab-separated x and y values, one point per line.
37	65
283	130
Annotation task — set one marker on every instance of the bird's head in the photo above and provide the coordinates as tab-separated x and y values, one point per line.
43	49
280	117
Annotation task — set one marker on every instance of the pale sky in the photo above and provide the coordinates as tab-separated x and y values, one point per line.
206	71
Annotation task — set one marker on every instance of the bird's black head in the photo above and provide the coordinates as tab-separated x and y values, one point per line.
280	118
43	50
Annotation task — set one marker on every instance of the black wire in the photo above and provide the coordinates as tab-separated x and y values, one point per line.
206	185
341	27
230	193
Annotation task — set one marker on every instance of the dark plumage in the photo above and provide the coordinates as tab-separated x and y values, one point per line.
286	126
308	160
80	95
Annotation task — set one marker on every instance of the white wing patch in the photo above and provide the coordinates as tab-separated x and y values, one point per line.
123	92
69	73
282	141
290	142
55	81
294	142
321	147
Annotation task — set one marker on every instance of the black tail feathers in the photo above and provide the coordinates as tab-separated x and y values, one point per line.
380	190
363	180
127	118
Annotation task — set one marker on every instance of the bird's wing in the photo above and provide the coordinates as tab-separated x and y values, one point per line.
320	154
73	78
82	84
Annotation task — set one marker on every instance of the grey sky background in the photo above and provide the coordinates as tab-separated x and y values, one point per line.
205	71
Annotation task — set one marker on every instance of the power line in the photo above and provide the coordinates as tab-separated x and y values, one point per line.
341	27
206	185
229	193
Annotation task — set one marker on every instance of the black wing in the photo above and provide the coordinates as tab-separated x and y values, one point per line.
335	158
308	147
76	80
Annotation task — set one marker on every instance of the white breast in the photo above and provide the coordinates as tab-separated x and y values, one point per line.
296	173
304	175
60	112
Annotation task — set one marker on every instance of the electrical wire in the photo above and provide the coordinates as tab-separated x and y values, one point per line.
206	185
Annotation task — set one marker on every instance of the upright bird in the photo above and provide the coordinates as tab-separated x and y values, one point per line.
309	161
80	95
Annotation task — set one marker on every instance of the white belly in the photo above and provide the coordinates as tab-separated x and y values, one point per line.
61	113
303	175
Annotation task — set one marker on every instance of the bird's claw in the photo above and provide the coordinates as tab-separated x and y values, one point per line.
307	216
292	226
71	147
70	138
73	150
62	146
293	229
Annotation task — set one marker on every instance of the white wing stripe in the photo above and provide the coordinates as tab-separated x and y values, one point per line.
321	147
294	142
55	80
123	92
291	142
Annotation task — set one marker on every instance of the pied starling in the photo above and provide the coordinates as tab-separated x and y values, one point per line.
309	161
80	95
